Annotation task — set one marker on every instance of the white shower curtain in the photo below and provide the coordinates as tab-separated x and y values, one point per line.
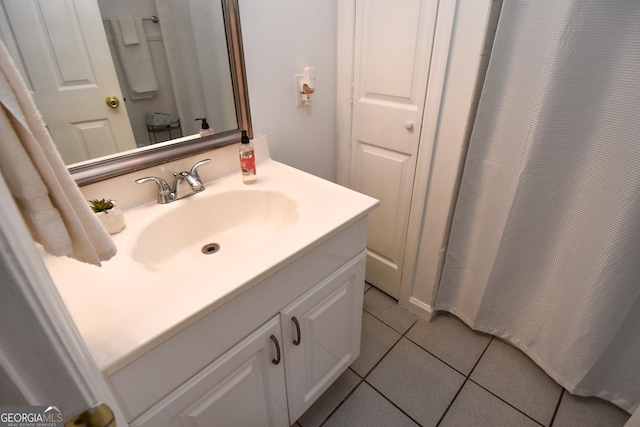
545	243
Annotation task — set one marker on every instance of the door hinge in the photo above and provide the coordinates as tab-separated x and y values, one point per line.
98	416
353	88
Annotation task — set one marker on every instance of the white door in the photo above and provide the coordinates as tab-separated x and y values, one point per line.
42	356
321	333
243	387
393	43
61	49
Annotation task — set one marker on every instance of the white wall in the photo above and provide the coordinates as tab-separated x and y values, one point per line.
280	38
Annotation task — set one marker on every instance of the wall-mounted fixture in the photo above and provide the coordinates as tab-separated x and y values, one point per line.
305	86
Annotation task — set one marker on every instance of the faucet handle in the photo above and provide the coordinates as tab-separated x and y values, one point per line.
191	178
194	169
164	191
162	184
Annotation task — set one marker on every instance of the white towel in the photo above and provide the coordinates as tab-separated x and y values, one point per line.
128	29
49	199
136	62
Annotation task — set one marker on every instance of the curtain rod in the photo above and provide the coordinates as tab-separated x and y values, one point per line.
153	19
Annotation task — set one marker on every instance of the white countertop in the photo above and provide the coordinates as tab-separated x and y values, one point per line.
122	309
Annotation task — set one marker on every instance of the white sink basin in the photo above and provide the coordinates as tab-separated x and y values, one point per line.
161	282
240	222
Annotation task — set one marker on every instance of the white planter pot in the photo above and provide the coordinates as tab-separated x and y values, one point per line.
112	220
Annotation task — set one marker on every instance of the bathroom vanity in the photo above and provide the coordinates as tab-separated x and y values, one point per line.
265	355
252	334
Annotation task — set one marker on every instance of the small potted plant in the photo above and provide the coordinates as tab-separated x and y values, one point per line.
109	215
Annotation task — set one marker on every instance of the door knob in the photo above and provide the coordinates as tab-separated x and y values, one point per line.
112	101
99	415
408	125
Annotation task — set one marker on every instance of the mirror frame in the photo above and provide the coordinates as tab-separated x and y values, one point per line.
112	166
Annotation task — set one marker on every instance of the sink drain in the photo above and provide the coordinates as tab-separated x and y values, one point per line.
210	248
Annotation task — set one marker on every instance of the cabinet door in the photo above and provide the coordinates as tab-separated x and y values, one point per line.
243	387
321	333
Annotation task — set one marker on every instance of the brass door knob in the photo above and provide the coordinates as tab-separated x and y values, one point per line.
98	416
112	101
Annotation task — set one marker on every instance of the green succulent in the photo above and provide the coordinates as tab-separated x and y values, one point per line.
102	205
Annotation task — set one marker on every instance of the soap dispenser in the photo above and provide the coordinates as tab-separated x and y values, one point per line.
247	159
205	131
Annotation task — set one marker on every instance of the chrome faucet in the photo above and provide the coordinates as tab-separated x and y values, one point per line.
185	184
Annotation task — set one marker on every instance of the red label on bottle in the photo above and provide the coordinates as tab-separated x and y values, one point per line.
248	162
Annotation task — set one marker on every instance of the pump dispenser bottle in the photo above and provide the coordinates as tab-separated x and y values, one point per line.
247	159
206	130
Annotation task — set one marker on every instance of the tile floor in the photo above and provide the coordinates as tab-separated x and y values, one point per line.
412	372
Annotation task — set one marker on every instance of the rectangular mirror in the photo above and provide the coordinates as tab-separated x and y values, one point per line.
125	85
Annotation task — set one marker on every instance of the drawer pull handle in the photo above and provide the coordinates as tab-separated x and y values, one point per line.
276	361
299	338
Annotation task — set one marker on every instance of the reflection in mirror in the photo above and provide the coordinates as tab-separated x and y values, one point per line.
172	65
115	79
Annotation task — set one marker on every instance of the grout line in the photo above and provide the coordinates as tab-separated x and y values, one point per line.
402	334
466	378
392	402
343	400
360	378
380	360
504	401
363	379
553	417
444	414
364	376
386	324
493	337
483	352
447	363
492	393
436	357
367	284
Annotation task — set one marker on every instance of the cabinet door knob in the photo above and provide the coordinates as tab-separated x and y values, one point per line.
297	325
276	361
408	125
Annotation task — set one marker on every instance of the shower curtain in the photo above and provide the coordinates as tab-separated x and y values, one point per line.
544	250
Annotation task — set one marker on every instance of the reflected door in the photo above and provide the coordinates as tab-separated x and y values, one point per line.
71	82
393	43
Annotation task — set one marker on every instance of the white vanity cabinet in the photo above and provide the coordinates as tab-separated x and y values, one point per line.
191	345
219	371
321	333
243	387
246	385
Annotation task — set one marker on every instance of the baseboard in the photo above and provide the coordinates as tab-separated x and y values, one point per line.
419	308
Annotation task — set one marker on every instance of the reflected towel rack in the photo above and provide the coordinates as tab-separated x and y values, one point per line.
153	19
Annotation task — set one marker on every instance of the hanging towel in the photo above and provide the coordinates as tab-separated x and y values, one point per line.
128	29
50	202
136	61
